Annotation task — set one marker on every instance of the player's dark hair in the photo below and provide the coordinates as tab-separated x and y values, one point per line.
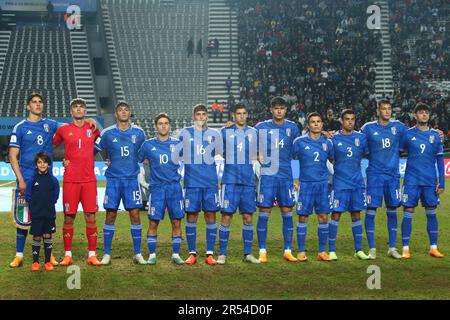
162	115
44	157
239	106
34	94
122	104
199	107
76	101
383	101
277	101
346	111
422	106
313	114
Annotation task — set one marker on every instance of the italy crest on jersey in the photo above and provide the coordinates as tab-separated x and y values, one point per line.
46	127
250	137
209	139
394	130
133	138
324	146
431	139
89	133
172	148
288	132
357	142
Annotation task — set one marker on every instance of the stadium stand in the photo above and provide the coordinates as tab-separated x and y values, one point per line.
150	39
37	58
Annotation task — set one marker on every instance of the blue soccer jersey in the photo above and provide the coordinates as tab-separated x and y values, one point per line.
198	151
348	150
32	138
384	147
275	145
122	147
160	154
422	147
313	155
239	146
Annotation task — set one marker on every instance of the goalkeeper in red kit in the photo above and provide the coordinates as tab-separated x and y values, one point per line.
79	182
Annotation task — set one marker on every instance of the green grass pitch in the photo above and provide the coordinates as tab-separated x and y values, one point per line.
422	277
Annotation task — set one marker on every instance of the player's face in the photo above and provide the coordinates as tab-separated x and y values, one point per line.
240	116
78	111
36	106
123	114
422	116
200	118
163	127
385	111
42	166
278	112
315	124
348	122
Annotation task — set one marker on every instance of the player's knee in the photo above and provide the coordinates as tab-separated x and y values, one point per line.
247	218
336	216
322	218
302	218
47	236
226	218
408	209
37	238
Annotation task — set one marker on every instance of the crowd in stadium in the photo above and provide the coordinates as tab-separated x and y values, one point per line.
320	58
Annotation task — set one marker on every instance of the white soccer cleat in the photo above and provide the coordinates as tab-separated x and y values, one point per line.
251	259
393	253
106	260
139	259
221	259
372	254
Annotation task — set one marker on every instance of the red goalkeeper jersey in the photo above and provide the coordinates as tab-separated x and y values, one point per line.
79	150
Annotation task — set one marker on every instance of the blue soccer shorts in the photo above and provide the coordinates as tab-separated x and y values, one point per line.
427	195
379	186
313	195
271	188
352	200
236	196
127	190
170	197
201	199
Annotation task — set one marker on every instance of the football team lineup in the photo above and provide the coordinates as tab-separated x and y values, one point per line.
273	143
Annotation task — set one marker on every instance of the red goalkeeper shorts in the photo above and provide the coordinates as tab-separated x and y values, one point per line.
76	192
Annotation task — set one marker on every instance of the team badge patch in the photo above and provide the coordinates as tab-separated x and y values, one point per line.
394	130
152	211
226	203
89	133
431	139
288	132
405	198
261	198
98	140
105	201
66	207
186	203
336	203
46	127
324	146
13	139
172	148
21	217
369	199
250	137
299	206
133	138
357	143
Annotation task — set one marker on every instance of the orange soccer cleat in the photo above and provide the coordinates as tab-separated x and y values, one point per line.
17	262
210	260
67	261
435	253
35	266
192	259
302	257
48	266
289	257
93	261
53	261
323	256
